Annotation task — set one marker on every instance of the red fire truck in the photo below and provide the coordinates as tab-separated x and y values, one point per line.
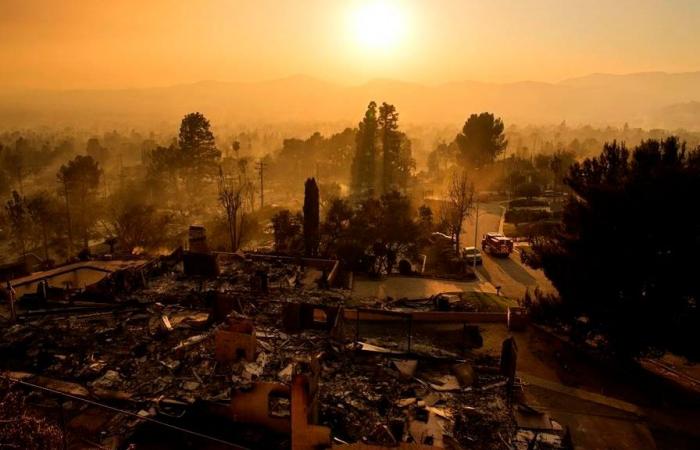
496	244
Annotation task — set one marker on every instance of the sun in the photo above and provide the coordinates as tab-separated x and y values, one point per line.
378	25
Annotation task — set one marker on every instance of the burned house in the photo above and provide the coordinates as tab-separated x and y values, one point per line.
213	359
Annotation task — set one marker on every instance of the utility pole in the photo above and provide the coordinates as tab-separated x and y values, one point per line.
476	233
261	169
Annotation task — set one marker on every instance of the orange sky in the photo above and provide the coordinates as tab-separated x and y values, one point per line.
126	43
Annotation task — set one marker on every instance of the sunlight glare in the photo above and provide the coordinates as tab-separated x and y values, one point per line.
379	25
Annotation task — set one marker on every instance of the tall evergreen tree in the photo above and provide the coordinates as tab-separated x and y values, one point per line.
405	164
391	146
196	143
311	217
364	163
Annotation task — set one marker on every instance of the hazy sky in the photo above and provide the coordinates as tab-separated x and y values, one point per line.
125	43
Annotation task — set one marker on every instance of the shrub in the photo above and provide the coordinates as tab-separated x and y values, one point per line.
532	230
530	258
526	215
544	308
527	202
528	190
405	267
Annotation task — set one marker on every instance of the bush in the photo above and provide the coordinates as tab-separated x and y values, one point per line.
544	308
528	190
526	215
532	230
527	202
530	258
405	267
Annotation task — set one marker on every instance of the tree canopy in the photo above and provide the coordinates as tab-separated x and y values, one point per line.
624	253
380	173
196	142
481	140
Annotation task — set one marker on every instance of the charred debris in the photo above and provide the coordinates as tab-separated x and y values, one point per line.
214	350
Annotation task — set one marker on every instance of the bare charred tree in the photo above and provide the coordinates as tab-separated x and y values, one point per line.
311	217
231	199
460	197
245	181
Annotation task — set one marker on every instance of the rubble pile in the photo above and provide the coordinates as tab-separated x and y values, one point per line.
180	342
135	354
381	400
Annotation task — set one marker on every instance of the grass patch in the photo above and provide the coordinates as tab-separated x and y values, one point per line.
487	302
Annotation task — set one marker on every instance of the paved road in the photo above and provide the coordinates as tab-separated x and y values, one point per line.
509	273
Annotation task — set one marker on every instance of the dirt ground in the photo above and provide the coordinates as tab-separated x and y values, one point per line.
603	409
413	287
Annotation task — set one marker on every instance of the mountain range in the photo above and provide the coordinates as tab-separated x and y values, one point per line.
649	100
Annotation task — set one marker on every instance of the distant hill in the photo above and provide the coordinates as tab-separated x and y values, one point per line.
642	99
680	115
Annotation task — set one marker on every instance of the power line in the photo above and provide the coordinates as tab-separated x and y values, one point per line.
122	411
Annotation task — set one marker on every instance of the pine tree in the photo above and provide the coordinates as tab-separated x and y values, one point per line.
364	162
391	146
197	146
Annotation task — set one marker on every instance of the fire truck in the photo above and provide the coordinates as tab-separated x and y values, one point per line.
497	244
